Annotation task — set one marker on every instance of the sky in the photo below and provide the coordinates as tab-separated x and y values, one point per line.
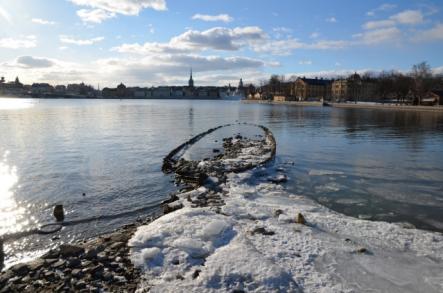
156	42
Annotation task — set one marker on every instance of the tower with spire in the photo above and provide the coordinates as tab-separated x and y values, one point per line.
191	81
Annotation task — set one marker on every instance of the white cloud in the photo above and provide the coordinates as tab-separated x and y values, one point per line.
94	15
219	17
378	24
432	34
5	15
151	28
383	7
42	21
314	35
18	43
331	19
126	7
380	35
34	62
305	62
408	17
218	38
79	42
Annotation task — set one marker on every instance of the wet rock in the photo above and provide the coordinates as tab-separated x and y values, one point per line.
117	245
51	254
263	231
216	151
196	274
59	264
80	285
91	253
59	213
67	250
172	207
74	263
300	219
120	279
20	269
278	179
362	250
278	212
77	273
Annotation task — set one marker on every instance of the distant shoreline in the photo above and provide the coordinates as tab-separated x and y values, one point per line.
435	109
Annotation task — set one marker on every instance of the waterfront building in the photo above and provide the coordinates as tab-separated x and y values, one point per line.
353	88
41	88
304	89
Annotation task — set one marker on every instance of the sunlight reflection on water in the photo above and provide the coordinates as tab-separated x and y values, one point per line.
15	104
11	214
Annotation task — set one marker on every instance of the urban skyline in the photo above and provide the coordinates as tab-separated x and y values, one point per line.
154	42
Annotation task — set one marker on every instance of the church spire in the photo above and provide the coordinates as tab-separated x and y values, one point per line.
191	80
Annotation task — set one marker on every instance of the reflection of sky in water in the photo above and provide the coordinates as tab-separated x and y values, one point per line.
15	104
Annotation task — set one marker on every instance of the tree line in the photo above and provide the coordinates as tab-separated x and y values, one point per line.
388	85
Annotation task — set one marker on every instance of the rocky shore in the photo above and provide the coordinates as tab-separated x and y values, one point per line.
103	264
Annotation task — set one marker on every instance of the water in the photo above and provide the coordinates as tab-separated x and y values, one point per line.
379	165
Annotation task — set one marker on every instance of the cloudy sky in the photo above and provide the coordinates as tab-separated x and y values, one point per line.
152	42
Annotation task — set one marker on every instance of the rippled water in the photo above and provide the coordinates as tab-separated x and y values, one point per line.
380	165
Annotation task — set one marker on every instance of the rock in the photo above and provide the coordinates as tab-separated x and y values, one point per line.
67	250
107	276
59	264
51	254
196	274
50	261
117	245
74	263
120	280
300	219
91	253
97	268
20	269
59	213
362	250
278	212
216	151
102	256
278	179
172	207
80	285
77	273
263	231
36	265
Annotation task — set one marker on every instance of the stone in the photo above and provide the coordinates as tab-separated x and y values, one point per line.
74	263
59	264
117	245
36	265
120	279
91	253
263	231
278	212
67	250
59	213
172	207
80	285
300	219
196	274
77	273
20	269
51	254
362	250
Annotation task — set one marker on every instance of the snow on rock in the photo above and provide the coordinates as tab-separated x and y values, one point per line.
199	250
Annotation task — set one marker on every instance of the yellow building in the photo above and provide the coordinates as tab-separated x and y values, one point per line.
311	89
353	88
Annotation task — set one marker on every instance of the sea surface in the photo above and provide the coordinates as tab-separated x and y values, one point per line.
371	164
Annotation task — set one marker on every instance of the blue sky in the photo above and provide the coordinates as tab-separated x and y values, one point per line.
152	42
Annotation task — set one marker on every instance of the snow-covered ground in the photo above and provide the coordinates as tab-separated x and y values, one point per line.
254	245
